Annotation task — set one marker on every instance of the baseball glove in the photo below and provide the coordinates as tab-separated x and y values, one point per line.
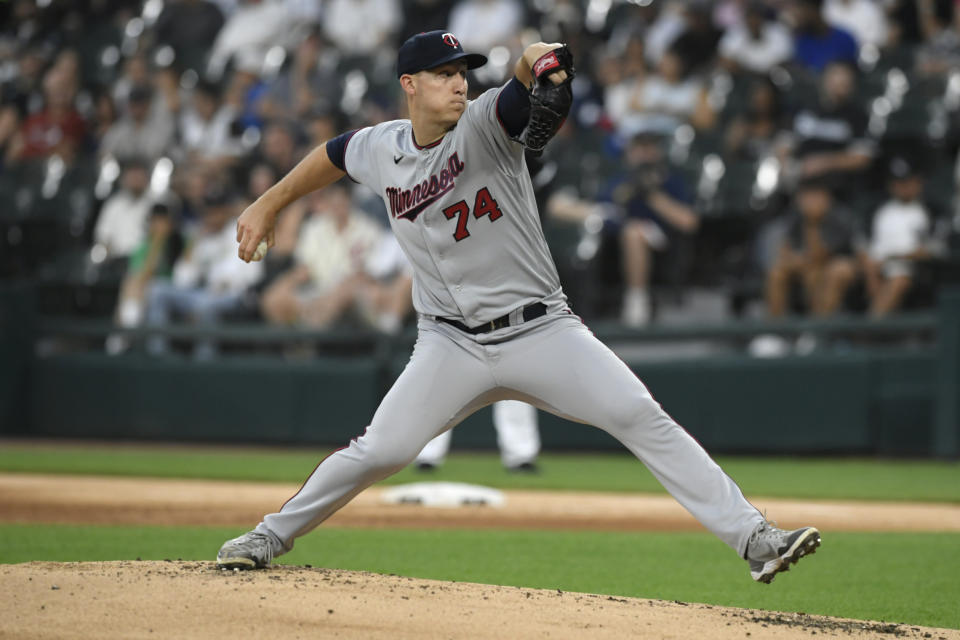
549	103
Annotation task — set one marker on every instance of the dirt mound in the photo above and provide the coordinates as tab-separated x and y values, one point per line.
195	600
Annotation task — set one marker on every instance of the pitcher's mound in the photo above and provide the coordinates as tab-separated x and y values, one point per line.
197	600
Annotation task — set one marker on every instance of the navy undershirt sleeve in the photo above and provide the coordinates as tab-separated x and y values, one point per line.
513	107
337	149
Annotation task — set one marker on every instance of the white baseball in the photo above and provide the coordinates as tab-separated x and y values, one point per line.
261	251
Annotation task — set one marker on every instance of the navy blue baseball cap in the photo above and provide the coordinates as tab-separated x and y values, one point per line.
432	49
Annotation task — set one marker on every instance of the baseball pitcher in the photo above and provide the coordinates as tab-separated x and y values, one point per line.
493	321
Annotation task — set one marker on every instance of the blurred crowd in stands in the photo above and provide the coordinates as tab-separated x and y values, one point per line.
792	156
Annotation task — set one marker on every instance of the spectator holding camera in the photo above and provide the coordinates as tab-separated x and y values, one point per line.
649	207
816	254
898	238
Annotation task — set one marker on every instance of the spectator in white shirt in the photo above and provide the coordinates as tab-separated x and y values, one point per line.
899	234
361	27
208	281
757	44
483	24
670	22
622	75
667	99
205	128
255	27
121	226
864	19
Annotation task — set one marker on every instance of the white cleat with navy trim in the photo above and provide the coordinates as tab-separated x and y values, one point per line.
252	550
771	550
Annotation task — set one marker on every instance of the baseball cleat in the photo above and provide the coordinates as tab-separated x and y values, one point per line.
771	550
252	550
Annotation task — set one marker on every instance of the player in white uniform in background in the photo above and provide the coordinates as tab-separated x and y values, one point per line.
517	438
493	322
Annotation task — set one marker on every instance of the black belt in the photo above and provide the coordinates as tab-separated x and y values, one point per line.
530	312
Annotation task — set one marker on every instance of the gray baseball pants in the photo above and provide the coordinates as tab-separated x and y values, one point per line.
517	436
555	364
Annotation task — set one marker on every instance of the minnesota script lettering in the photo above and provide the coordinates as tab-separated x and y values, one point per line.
408	203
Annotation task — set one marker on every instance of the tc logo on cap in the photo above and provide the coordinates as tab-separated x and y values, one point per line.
432	49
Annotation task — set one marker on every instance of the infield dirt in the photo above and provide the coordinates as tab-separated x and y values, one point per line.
96	600
152	501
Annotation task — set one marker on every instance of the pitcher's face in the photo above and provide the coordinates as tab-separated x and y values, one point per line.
441	92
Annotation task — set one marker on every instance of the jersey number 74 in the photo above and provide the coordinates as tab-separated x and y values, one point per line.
483	205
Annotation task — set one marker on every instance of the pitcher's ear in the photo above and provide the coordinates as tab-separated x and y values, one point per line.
409	84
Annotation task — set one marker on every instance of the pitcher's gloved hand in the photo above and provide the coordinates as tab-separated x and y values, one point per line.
550	99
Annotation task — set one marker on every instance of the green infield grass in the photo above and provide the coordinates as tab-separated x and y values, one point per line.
894	577
800	477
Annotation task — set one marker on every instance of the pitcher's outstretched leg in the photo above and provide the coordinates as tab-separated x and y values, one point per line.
412	412
577	376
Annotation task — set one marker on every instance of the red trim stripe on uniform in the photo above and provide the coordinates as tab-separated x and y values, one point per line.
426	146
675	421
347	446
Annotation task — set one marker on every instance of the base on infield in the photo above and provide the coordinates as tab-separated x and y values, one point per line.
443	494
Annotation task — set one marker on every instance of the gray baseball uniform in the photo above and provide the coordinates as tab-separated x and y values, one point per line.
518	437
463	210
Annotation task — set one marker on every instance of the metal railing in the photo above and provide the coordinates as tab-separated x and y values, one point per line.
86	333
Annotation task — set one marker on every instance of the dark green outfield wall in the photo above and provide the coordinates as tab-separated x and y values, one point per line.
17	304
899	402
240	400
860	403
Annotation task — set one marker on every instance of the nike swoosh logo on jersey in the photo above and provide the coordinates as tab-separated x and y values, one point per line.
397	159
